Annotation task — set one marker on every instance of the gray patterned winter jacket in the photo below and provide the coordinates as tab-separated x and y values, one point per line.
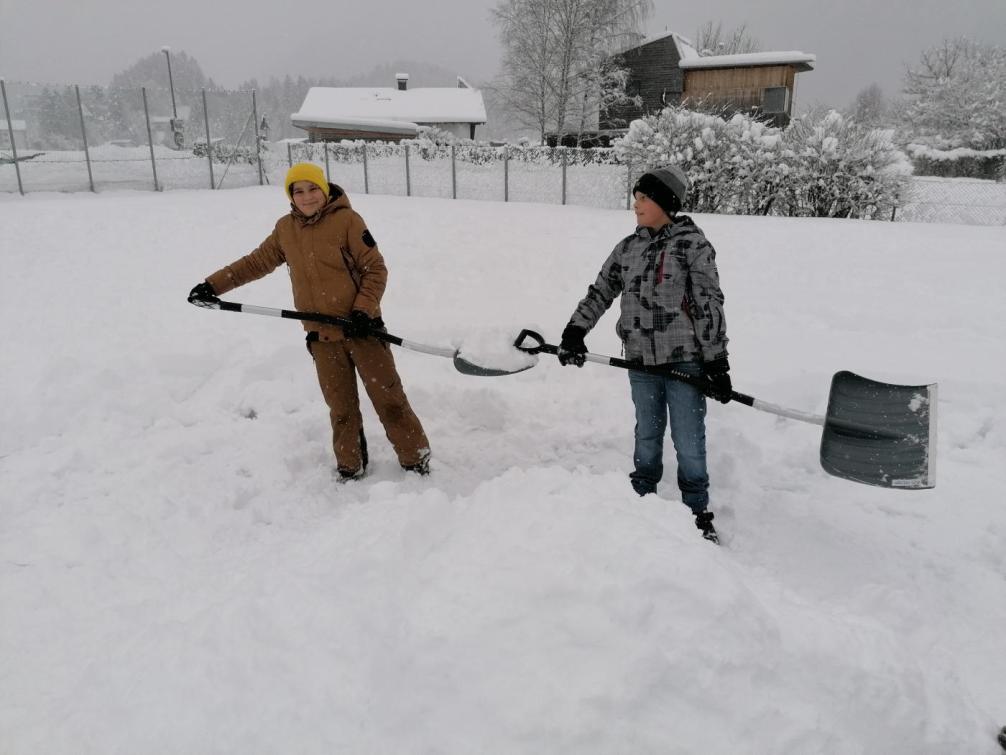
672	306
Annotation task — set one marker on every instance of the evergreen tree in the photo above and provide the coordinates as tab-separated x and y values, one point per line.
870	108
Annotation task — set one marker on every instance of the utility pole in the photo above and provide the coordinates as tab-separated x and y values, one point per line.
177	128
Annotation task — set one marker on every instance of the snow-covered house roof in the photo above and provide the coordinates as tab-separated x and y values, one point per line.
334	106
802	61
685	47
691	59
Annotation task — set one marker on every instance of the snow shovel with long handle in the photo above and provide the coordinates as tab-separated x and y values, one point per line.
875	433
460	363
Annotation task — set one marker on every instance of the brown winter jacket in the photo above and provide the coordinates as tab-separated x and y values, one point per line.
335	265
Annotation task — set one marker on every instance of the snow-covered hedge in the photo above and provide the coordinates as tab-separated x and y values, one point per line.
824	166
464	150
959	162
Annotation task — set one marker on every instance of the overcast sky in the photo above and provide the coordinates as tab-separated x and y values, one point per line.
857	42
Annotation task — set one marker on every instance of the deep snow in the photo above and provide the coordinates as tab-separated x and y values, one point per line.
179	573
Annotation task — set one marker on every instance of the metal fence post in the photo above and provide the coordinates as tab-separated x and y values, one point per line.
408	178
366	178
289	155
328	172
10	131
209	144
454	175
258	138
564	155
150	137
628	186
83	133
506	173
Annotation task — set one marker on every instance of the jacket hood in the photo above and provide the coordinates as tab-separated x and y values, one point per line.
679	224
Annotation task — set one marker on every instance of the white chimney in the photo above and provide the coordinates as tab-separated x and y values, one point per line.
403	81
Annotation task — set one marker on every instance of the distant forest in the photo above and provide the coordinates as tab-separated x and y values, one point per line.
115	113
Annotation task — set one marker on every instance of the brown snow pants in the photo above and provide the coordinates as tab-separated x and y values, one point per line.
337	364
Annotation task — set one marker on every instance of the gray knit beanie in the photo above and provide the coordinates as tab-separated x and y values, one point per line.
667	186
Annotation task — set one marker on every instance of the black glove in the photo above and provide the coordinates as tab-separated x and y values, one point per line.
571	347
203	293
717	385
359	326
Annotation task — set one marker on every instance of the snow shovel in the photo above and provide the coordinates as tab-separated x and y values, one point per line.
874	433
460	363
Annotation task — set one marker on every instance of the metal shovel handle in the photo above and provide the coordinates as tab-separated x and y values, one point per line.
539	346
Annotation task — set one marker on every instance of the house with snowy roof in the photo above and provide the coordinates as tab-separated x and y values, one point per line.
389	113
668	70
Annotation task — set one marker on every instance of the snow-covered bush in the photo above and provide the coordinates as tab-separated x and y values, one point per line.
839	169
824	166
732	164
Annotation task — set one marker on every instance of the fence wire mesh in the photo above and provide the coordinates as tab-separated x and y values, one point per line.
964	201
70	138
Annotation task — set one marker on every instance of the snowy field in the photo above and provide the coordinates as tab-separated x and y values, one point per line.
180	574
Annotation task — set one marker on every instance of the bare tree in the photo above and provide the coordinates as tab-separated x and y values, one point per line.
553	51
957	95
712	39
524	86
614	26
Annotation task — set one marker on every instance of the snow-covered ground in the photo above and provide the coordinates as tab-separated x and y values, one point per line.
180	574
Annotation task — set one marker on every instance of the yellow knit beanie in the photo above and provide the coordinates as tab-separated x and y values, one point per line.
305	172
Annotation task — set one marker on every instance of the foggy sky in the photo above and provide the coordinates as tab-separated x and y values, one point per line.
857	42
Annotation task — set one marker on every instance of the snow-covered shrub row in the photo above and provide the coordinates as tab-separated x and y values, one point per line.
227	153
826	166
958	162
463	150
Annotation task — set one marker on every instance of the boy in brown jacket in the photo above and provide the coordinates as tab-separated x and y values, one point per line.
336	269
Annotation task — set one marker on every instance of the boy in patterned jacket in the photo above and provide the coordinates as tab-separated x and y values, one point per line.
671	314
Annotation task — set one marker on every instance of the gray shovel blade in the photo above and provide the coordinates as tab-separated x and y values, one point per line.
462	365
879	433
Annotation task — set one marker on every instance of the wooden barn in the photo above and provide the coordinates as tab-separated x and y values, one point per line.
667	70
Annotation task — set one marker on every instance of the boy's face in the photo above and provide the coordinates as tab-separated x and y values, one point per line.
648	213
307	197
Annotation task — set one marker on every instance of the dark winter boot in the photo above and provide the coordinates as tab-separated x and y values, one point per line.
704	521
345	475
421	467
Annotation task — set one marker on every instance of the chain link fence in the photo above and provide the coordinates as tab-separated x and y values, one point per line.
551	175
964	201
67	138
71	138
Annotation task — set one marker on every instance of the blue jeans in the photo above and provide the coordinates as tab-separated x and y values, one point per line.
656	399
